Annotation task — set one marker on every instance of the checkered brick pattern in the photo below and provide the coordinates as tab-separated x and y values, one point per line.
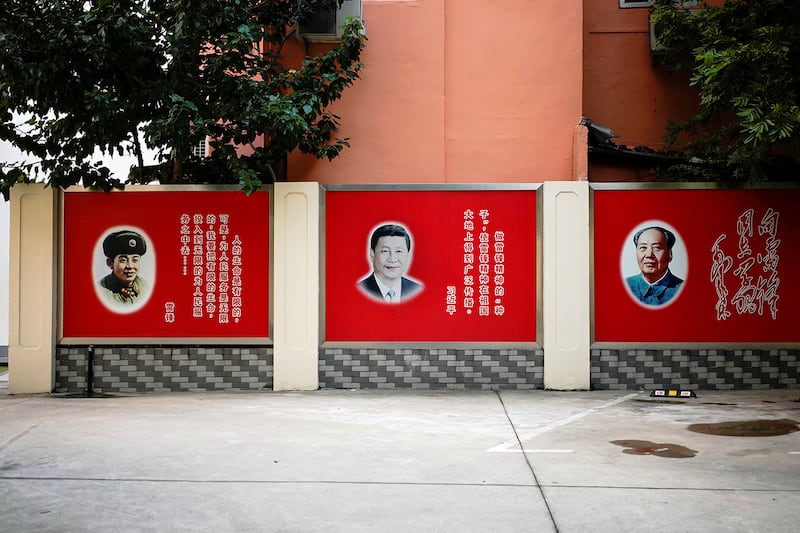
695	369
356	368
160	369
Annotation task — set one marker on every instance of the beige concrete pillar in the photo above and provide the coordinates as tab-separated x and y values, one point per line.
566	299
33	269
296	281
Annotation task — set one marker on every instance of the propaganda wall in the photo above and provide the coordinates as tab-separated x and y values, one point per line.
470	321
489	117
515	286
204	280
732	321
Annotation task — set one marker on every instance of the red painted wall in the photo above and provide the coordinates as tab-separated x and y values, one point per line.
731	251
204	273
473	252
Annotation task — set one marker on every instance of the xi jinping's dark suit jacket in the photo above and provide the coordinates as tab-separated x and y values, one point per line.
408	288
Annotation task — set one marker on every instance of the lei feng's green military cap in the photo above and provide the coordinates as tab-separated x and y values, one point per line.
124	243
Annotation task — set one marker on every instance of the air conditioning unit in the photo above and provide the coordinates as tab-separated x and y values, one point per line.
325	25
654	35
655	32
628	4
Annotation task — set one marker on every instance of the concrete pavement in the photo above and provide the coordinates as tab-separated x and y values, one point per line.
397	461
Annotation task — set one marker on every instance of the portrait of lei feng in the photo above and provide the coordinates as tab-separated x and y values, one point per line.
123	286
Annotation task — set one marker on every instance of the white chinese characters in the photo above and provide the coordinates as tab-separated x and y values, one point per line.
216	267
483	282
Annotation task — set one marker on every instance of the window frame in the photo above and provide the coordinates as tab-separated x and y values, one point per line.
633	4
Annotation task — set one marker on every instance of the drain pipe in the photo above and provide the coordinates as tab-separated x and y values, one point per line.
89	370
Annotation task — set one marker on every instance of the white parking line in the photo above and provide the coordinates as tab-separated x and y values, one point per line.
517	450
506	446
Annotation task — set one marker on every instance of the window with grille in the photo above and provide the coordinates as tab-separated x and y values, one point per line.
200	149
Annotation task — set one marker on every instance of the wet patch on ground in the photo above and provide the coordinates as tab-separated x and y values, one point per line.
659	449
748	428
8	466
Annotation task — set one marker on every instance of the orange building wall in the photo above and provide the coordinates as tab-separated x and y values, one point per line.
460	91
623	89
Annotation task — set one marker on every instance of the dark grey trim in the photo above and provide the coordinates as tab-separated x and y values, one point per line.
709	369
431	368
133	369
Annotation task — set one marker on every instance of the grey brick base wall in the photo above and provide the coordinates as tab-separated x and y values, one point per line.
179	368
390	368
158	368
695	369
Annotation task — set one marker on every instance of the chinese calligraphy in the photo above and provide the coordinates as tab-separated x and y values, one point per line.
216	266
758	287
488	288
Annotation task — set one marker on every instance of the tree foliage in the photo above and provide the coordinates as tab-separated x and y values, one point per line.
744	57
82	79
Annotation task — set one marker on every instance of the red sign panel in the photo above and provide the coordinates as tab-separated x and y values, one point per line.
166	264
430	265
699	265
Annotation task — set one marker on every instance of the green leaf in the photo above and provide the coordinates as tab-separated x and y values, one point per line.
115	77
